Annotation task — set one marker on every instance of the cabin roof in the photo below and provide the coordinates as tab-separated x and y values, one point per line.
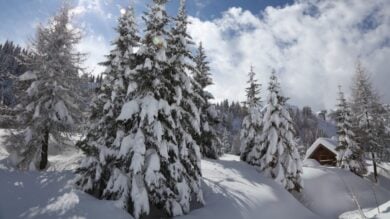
330	144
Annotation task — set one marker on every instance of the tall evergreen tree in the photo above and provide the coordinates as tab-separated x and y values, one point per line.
104	135
50	106
351	156
188	116
368	117
208	140
252	123
156	162
279	155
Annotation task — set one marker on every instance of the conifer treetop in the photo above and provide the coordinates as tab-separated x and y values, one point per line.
253	91
202	75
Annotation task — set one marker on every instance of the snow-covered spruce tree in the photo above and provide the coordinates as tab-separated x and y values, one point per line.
279	157
252	123
351	156
188	121
158	164
208	140
104	135
50	107
368	116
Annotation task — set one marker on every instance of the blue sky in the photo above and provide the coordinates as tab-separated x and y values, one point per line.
20	17
312	44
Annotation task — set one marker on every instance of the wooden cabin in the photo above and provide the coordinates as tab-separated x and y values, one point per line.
324	151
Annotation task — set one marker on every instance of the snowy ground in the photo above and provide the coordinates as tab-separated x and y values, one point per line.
329	192
381	212
232	190
49	195
384	174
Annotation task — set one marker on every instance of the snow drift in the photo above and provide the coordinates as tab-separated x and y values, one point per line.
234	189
330	191
49	195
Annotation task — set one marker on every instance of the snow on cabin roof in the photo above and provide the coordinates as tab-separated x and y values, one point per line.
329	143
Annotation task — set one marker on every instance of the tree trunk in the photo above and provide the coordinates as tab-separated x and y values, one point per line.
44	151
374	165
372	150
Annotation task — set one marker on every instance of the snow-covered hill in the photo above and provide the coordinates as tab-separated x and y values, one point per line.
49	195
381	212
330	191
232	190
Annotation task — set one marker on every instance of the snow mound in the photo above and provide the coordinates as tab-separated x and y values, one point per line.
382	212
234	189
49	195
329	191
311	163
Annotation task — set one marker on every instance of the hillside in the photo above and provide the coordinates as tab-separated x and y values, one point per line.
232	189
329	192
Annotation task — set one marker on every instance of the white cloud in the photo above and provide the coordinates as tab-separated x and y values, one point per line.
85	6
79	9
314	46
95	47
200	4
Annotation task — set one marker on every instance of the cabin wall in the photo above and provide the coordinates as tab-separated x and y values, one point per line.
324	156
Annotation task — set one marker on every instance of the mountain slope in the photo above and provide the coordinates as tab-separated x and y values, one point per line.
234	189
